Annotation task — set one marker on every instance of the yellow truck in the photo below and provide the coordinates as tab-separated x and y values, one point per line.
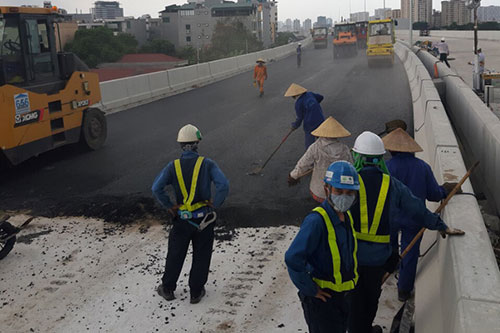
380	42
46	96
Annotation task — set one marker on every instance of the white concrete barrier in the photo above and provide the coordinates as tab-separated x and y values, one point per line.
457	286
121	94
460	34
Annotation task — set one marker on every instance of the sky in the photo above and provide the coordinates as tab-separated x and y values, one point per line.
286	8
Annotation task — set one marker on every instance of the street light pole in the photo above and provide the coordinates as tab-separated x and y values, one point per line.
411	23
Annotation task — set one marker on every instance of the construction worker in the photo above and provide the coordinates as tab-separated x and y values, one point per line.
380	198
323	152
322	260
444	51
299	54
193	217
260	75
418	176
307	109
480	70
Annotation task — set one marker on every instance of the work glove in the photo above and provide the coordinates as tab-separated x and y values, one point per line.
392	262
448	187
292	181
451	232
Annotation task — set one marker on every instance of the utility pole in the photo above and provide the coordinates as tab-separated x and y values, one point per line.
365	6
476	76
411	23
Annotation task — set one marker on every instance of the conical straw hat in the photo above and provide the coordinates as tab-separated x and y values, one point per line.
331	128
295	90
261	60
399	140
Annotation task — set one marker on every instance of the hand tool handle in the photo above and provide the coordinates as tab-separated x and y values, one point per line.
277	148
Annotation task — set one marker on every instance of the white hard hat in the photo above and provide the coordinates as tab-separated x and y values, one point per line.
368	143
189	133
442	39
300	44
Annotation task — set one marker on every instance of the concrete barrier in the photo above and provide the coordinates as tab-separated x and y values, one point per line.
457	286
121	94
460	34
477	127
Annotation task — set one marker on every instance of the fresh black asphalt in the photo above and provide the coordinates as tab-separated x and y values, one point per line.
239	130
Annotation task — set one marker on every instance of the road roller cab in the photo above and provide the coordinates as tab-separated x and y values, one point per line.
47	98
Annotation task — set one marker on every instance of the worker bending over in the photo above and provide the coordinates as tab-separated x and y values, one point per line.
318	157
418	176
193	217
321	260
307	109
380	198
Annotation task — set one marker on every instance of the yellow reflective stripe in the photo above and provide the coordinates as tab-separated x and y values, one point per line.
188	199
338	286
373	238
355	254
379	209
363	206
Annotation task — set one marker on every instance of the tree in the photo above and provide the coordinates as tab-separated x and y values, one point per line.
158	46
99	45
420	25
284	38
231	39
188	53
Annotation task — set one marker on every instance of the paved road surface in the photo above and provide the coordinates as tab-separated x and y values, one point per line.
240	130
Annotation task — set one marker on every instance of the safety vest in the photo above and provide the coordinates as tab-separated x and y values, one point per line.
339	285
187	201
366	232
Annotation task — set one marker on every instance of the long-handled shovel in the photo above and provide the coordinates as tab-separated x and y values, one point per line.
258	170
438	210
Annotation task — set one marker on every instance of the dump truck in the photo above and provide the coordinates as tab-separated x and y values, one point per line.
361	33
47	98
320	37
345	43
380	42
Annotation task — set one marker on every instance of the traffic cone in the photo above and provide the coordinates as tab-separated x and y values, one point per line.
436	73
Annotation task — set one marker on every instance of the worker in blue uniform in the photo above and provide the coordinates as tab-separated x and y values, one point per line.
418	176
322	260
307	109
380	198
191	177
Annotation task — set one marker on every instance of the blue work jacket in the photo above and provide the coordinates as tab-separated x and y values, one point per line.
309	254
309	111
418	176
401	199
209	173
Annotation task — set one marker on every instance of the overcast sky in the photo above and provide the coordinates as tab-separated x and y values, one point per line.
300	9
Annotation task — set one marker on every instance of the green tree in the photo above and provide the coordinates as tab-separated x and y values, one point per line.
158	46
230	40
99	45
420	26
283	38
188	53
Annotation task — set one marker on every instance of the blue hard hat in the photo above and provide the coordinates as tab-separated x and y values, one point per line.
342	175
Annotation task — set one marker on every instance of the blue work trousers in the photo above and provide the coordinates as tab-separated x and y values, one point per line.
408	266
309	139
326	317
181	234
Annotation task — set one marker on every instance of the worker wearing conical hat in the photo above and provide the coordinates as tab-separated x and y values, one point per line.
307	109
260	75
418	176
323	152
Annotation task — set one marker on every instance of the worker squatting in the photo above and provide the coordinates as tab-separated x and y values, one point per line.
346	246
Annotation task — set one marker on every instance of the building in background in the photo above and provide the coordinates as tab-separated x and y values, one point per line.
454	11
321	21
382	13
107	10
436	19
395	14
421	11
307	25
288	25
488	14
329	22
359	17
193	24
296	25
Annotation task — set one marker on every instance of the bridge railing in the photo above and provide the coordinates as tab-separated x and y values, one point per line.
457	286
132	91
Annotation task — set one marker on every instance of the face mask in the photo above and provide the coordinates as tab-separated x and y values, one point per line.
342	202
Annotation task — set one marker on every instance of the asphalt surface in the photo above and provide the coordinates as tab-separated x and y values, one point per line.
239	130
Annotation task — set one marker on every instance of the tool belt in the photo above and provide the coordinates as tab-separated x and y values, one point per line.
207	218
